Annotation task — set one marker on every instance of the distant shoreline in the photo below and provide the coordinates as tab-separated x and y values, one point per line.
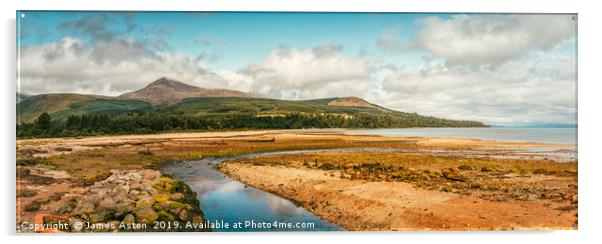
188	134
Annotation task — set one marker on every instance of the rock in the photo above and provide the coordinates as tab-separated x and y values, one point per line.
33	206
453	174
107	203
56	196
145	201
134	193
165	216
26	192
136	196
97	217
178	196
475	185
531	197
197	219
125	206
183	215
92	199
465	167
446	188
146	215
84	207
129	219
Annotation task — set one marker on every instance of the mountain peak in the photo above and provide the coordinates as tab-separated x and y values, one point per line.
351	102
163	80
167	90
167	82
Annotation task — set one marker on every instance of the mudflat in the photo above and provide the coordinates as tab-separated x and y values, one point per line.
402	183
410	199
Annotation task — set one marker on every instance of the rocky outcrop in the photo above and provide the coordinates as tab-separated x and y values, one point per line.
137	197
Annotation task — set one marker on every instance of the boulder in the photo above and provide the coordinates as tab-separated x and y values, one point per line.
183	215
146	215
145	201
129	219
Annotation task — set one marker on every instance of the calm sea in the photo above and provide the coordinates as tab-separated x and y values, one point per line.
543	135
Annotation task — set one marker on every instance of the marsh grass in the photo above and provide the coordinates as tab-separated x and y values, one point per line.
95	164
423	161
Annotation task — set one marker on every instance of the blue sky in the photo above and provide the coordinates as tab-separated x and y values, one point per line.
240	38
500	69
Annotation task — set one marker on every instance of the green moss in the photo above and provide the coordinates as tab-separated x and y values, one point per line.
165	216
175	204
171	185
158	184
167	184
160	198
93	177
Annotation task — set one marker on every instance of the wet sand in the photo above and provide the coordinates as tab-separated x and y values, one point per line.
354	203
361	205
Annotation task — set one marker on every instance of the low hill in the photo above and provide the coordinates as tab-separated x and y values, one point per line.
166	105
165	90
21	96
29	109
351	102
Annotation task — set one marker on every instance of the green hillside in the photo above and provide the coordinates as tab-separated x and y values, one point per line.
60	106
267	107
29	109
73	114
102	106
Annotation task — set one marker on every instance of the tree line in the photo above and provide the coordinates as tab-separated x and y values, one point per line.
144	123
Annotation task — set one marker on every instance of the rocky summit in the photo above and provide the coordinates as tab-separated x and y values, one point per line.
166	90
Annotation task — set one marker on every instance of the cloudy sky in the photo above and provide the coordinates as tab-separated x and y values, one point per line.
499	69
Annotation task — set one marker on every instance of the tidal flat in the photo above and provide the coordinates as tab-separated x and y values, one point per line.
401	183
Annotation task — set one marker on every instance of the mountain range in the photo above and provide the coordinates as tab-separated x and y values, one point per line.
171	97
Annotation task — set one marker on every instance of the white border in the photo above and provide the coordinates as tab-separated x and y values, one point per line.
589	116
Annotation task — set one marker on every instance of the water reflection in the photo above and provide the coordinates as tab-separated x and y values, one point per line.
231	201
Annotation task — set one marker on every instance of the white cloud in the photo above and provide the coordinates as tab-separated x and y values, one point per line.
105	67
535	88
482	39
302	74
500	69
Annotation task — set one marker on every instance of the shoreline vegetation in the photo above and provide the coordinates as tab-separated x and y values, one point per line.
421	184
157	122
